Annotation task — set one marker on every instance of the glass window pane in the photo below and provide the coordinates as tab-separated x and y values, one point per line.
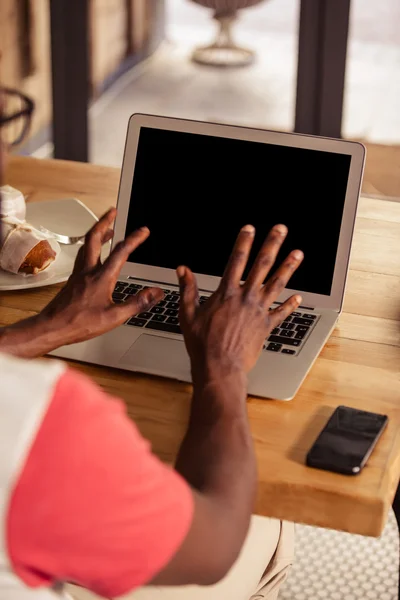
372	94
261	94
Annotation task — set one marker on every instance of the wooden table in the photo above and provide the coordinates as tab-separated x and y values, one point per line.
358	367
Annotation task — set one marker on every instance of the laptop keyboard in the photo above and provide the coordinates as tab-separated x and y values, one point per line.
288	338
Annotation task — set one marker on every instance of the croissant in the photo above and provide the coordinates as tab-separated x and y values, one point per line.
24	249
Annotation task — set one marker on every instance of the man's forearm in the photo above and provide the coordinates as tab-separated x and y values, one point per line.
217	455
30	338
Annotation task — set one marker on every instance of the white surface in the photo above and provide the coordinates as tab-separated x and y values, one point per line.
12	203
68	217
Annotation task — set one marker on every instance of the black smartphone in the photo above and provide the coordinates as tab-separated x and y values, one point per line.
347	440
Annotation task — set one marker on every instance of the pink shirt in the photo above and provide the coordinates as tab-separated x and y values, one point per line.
91	504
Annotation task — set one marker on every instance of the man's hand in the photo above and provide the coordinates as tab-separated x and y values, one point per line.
228	331
224	337
84	308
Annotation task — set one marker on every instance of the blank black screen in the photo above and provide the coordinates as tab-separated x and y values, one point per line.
195	192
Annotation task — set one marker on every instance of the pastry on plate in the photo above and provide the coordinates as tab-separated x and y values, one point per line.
24	249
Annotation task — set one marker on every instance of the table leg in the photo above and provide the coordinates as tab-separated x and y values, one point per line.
323	33
396	509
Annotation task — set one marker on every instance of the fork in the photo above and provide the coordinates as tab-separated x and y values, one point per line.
63	239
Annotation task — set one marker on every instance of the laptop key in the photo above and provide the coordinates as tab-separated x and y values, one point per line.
288	351
171	312
304	328
134	286
162	303
274	347
275	331
277	339
131	291
173	305
171	298
136	322
118	296
145	315
310	317
300	321
159	318
157	310
163	327
173	320
300	335
287	333
285	325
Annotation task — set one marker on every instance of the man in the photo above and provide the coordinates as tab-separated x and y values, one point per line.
83	499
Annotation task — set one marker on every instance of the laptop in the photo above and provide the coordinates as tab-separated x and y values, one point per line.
195	185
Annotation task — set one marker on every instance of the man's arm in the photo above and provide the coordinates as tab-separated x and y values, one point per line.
30	338
224	337
217	459
84	308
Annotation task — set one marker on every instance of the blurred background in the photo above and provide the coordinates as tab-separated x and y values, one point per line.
329	67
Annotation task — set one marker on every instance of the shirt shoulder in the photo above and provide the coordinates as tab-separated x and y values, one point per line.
92	504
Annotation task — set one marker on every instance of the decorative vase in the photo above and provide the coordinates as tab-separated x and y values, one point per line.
224	52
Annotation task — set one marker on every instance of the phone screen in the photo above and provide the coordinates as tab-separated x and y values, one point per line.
346	441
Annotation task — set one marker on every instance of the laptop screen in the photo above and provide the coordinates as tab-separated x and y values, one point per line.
195	192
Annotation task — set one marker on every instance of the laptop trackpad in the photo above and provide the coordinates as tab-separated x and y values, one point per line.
158	355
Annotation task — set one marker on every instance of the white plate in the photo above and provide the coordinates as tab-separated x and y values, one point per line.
68	217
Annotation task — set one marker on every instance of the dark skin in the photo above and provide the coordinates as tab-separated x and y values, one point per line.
84	308
224	338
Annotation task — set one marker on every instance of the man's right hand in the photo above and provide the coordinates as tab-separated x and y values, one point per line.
224	337
227	332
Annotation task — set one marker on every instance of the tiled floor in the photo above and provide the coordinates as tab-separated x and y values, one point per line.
331	565
264	93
